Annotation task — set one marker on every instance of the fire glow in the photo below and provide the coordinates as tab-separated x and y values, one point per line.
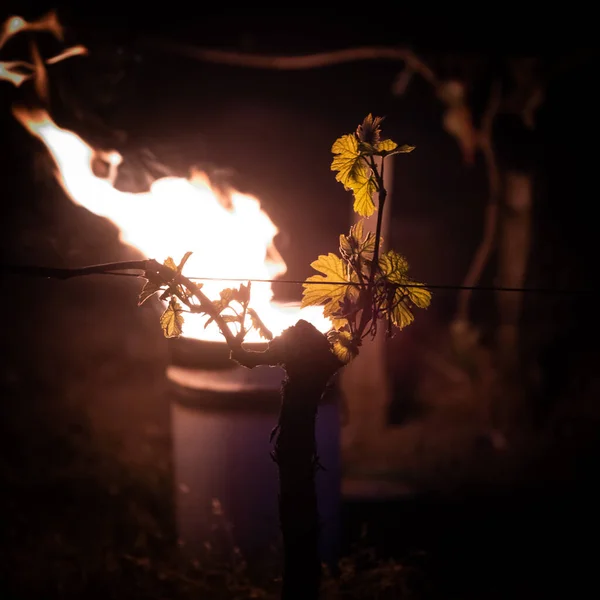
177	215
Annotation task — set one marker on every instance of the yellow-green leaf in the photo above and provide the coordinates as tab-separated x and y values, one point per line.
386	146
393	271
363	189
347	160
259	325
170	263
150	288
338	322
394	267
326	289
343	345
401	314
404	149
419	296
353	244
349	244
171	320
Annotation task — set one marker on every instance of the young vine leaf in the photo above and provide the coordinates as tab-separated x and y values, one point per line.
171	320
343	344
156	284
257	323
236	302
150	288
353	161
355	245
354	173
395	298
333	287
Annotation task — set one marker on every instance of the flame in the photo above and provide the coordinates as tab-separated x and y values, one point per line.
19	71
175	216
16	24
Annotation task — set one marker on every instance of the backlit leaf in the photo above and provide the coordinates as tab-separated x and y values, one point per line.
343	345
393	266
150	288
385	146
226	296
397	299
347	160
171	320
170	263
419	296
369	131
364	187
242	295
354	245
259	325
326	289
354	173
401	314
230	318
404	149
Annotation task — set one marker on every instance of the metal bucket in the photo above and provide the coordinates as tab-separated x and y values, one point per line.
222	417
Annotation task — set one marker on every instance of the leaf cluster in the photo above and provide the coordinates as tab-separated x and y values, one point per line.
361	286
231	309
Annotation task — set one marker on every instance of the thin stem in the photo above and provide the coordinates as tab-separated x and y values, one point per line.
243	330
205	302
367	312
382	198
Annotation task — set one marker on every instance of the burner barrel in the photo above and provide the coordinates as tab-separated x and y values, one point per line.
222	418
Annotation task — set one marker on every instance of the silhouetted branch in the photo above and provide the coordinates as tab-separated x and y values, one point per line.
317	60
68	273
491	212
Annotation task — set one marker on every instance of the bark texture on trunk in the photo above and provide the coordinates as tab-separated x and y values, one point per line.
306	356
296	456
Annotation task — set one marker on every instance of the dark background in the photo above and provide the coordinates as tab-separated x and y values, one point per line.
83	407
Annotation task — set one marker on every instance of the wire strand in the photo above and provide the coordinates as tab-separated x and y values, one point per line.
410	285
43	273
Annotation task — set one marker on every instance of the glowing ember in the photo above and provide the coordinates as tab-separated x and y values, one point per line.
175	216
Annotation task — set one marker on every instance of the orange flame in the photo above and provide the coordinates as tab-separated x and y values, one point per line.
19	71
175	216
16	24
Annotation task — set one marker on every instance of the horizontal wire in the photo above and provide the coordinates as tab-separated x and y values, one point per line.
428	286
410	285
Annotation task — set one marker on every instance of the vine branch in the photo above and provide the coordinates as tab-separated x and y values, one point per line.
245	357
297	63
491	212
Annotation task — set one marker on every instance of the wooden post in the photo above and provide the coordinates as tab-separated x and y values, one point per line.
513	256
